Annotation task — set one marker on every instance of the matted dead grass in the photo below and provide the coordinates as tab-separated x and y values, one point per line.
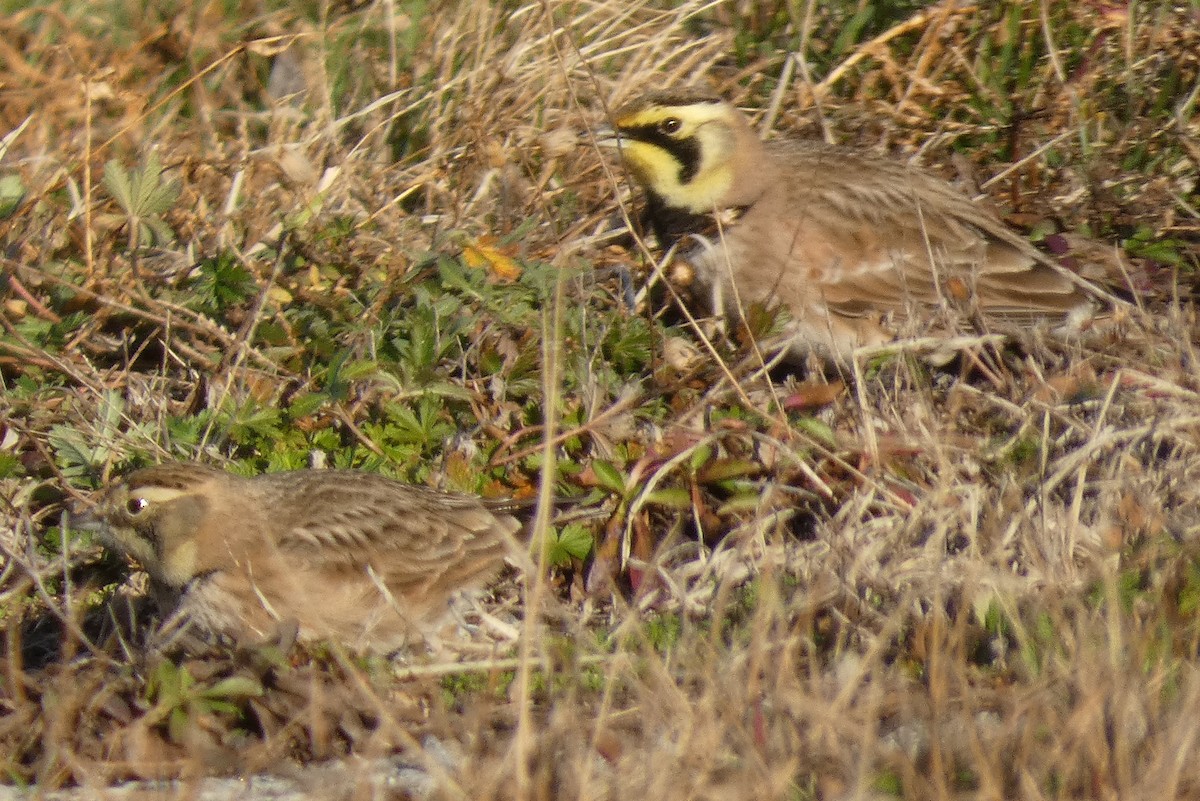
975	582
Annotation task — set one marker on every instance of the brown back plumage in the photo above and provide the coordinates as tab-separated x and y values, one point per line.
853	245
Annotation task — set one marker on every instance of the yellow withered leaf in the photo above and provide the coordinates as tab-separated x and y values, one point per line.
483	253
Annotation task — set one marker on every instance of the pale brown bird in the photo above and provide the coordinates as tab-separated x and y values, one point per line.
859	249
349	556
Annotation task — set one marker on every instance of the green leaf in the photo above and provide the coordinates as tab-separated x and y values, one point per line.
11	465
1189	594
574	541
71	450
177	725
305	404
12	192
234	687
853	30
699	457
247	421
1164	251
671	497
609	477
140	193
221	707
742	502
116	181
629	345
222	282
143	195
725	469
816	429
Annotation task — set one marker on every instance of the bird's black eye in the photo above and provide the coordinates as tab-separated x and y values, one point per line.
135	506
670	125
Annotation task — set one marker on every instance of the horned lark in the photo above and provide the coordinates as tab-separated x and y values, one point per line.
348	556
853	245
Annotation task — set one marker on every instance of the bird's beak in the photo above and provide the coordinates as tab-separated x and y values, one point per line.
607	137
85	520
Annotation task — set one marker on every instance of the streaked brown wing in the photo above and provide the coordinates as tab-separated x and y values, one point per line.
411	536
870	233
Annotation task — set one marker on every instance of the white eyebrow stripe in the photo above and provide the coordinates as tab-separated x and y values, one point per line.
157	494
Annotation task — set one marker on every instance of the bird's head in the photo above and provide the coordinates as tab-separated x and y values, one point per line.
155	515
693	150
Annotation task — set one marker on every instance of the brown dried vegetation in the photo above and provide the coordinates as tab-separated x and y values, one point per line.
376	225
